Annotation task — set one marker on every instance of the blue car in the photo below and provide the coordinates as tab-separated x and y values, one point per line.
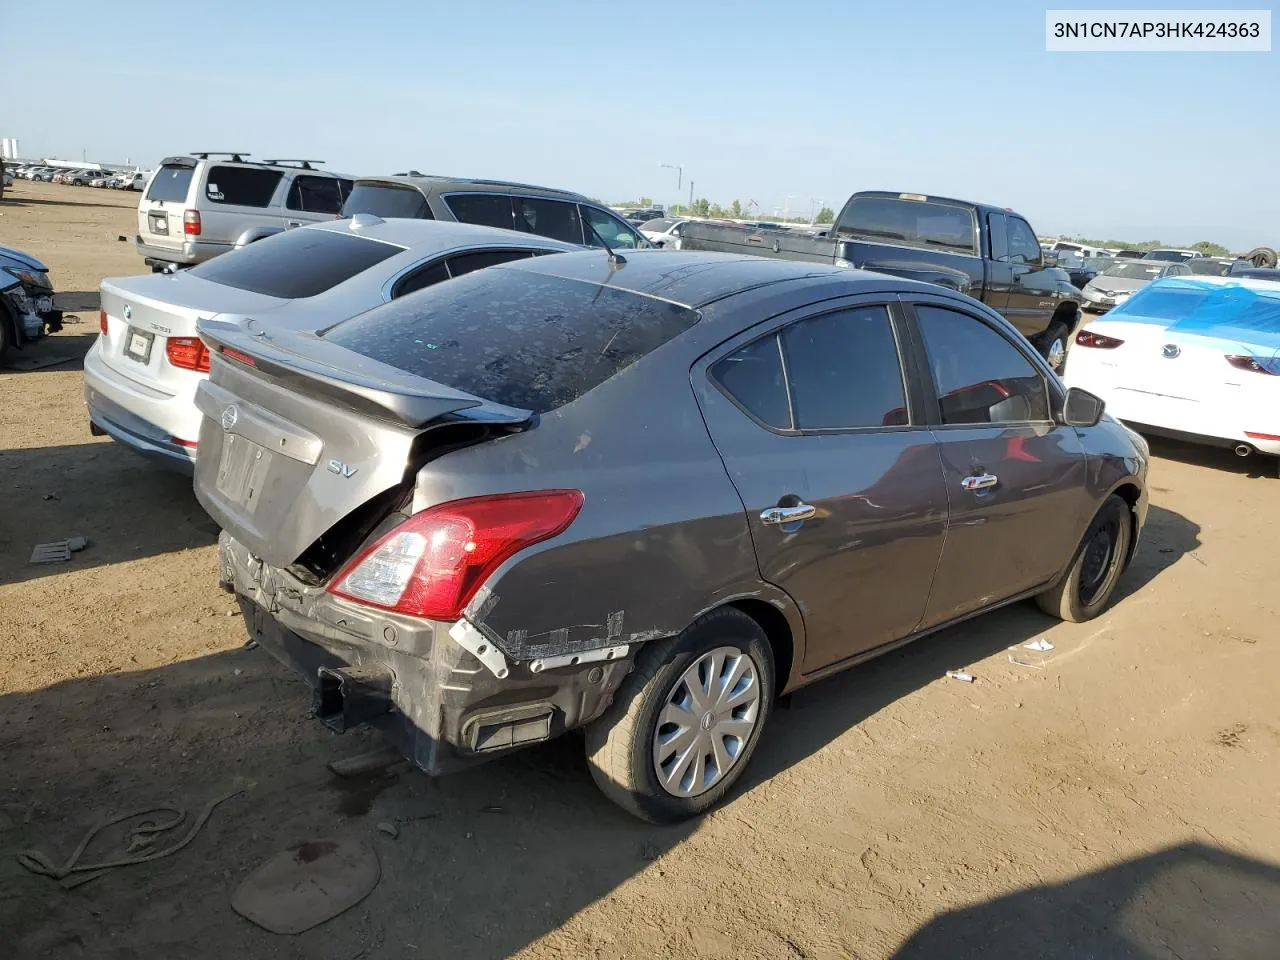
26	300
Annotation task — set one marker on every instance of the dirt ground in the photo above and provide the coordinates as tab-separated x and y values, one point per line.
1118	798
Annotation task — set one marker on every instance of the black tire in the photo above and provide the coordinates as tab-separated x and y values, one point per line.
1057	331
1100	559
620	750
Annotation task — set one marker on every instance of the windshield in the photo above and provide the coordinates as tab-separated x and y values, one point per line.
1135	270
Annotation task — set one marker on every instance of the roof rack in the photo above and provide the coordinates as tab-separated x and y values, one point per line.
235	155
303	164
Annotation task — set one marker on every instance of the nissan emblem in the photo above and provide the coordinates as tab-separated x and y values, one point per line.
229	417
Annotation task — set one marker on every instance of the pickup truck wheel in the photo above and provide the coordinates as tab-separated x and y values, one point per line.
685	722
1084	592
1053	344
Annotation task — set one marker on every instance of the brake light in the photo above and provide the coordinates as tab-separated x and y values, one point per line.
1261	436
1087	338
191	222
102	322
432	564
244	358
189	353
1267	365
189	444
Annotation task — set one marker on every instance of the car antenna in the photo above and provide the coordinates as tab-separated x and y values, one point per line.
615	259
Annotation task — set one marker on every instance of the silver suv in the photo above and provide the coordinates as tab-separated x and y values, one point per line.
196	207
558	214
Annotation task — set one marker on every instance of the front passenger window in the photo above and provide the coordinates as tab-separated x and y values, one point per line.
980	377
609	229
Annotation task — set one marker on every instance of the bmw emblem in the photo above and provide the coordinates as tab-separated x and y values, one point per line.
1171	351
128	313
229	417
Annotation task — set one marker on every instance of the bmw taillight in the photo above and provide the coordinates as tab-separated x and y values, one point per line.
189	353
1267	365
191	223
102	322
1087	338
432	564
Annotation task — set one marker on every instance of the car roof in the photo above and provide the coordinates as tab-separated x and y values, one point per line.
412	232
695	279
427	183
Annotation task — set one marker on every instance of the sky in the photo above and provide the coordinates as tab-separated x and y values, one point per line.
759	101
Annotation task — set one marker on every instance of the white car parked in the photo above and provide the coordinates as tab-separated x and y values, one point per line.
1193	358
663	232
141	374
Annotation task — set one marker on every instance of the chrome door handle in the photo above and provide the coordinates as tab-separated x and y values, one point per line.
982	482
778	516
294	223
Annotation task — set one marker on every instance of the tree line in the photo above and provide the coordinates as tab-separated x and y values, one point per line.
737	210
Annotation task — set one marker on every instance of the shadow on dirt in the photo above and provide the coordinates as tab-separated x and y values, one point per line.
14	201
74	301
126	506
1186	901
60	351
485	862
1255	466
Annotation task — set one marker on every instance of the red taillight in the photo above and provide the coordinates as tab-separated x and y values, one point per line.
102	321
189	353
244	358
189	444
1261	436
432	564
191	223
1267	365
1087	338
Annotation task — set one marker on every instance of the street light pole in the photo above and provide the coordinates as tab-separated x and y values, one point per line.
679	176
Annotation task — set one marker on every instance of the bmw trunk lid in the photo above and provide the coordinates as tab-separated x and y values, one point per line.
299	433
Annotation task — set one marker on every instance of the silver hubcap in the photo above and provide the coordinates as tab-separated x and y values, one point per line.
706	721
1057	353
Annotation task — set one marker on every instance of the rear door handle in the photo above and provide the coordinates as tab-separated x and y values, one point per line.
294	223
778	516
980	482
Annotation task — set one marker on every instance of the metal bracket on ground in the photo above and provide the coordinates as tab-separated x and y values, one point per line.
480	646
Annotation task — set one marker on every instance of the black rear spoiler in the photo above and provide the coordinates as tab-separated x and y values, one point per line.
318	366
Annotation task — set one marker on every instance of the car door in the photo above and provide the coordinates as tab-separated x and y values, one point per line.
842	487
1015	479
1033	290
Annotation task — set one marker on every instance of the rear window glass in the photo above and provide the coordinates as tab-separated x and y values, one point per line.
241	186
517	338
296	263
911	222
315	195
171	183
385	200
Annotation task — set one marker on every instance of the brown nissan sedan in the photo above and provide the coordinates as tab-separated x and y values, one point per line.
644	496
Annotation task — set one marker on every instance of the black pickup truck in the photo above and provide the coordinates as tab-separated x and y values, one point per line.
989	253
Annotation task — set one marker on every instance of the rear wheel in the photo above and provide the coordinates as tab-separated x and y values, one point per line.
1084	592
686	721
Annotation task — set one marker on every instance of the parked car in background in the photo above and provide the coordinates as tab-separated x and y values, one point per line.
1079	249
643	215
197	207
1193	358
1172	255
1213	266
989	253
663	232
141	374
83	178
1257	273
44	174
481	502
1081	269
104	180
1124	278
26	300
559	214
1130	254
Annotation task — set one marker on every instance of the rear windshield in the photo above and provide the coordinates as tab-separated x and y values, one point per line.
1169	256
1210	268
296	263
171	183
913	223
1231	312
386	200
522	339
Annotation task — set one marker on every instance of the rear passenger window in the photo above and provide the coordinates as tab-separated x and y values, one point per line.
752	378
422	277
466	262
315	195
241	186
980	376
548	218
483	209
844	371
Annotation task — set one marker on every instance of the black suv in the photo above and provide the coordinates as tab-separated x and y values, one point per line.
558	214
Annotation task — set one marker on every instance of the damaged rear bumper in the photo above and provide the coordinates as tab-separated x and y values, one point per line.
441	692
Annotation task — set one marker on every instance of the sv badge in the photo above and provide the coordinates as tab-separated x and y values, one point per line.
341	469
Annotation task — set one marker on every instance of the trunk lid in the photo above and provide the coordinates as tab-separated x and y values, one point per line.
144	312
311	432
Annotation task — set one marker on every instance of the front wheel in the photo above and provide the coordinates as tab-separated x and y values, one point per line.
685	722
1084	592
1053	344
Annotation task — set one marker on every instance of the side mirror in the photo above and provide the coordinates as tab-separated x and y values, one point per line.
1081	408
